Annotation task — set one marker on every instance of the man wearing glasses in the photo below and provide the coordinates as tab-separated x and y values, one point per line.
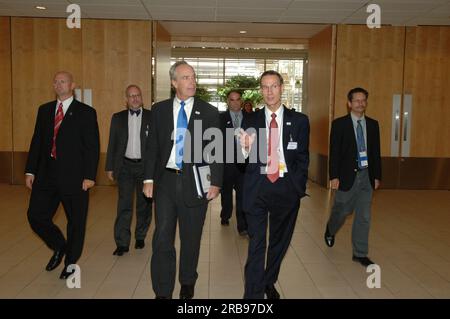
124	163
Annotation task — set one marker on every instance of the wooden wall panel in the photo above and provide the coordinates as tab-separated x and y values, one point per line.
427	78
320	95
372	59
116	53
6	146
40	48
162	62
5	85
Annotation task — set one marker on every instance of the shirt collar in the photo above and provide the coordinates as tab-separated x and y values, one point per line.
355	118
186	102
66	103
279	112
234	113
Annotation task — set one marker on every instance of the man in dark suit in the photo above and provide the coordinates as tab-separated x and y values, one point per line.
355	170
274	183
234	168
61	168
169	173
124	162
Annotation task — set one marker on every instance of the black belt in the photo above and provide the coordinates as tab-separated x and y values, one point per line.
175	171
134	160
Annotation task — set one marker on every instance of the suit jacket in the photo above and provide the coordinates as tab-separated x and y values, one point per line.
295	129
77	147
343	162
118	139
160	142
226	125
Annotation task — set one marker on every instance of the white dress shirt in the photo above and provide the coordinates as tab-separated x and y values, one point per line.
189	104
133	150
279	119
279	113
66	103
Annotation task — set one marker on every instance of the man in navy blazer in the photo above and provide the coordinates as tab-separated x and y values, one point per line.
274	183
355	171
61	168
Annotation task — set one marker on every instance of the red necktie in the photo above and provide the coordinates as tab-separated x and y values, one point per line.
273	161
58	120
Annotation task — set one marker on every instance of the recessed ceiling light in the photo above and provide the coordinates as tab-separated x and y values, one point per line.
41	7
242	32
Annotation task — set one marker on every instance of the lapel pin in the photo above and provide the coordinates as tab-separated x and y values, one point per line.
197	112
288	123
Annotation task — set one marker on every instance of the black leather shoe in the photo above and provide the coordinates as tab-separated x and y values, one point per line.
224	222
365	261
139	244
271	292
329	239
65	273
120	251
187	292
56	259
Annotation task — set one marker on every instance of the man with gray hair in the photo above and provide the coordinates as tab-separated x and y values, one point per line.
170	179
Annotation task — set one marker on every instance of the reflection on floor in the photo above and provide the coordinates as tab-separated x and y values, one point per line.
409	239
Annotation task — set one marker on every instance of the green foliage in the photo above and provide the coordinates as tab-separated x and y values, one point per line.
203	94
200	93
247	85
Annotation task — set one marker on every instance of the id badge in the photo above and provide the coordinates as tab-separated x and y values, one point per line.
281	168
363	159
292	146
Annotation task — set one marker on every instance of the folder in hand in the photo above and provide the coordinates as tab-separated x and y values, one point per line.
202	176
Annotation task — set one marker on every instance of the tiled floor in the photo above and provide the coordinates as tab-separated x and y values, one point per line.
409	239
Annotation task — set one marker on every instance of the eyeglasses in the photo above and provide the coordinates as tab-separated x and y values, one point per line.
134	96
271	87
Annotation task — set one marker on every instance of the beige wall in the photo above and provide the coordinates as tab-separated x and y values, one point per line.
427	79
104	56
372	59
162	56
115	53
5	105
40	47
320	85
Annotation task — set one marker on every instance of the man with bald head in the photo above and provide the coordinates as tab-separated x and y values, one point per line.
61	168
125	163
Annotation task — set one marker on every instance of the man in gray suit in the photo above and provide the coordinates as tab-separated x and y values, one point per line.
125	163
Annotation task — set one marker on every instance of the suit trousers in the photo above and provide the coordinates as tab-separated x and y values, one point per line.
357	199
44	202
277	205
233	178
130	181
170	208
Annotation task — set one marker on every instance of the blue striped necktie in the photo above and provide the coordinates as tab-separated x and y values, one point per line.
361	144
182	123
